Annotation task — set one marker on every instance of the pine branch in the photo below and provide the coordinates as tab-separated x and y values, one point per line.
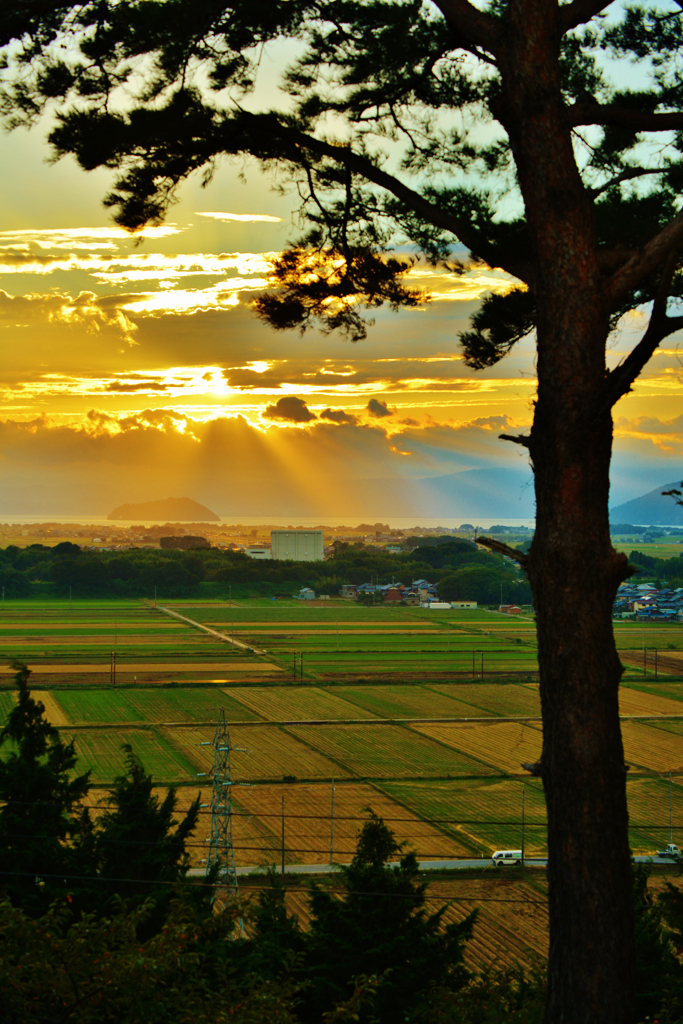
644	261
627	175
522	439
619	381
472	26
611	114
579	12
459	226
504	549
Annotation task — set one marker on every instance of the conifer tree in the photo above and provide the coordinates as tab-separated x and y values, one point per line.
41	812
507	127
380	927
137	849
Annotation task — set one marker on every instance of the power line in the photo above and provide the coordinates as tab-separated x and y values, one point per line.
180	883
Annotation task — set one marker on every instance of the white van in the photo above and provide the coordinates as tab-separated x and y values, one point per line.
506	857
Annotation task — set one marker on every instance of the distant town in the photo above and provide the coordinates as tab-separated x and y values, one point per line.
237	537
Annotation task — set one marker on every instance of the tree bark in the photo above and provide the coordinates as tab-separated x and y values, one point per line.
573	570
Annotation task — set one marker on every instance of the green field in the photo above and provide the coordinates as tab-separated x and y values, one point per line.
460	780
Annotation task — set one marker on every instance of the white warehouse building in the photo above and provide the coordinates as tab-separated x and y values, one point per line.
297	545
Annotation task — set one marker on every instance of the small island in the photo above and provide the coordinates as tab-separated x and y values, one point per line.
167	510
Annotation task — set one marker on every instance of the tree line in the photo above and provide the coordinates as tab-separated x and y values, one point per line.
460	569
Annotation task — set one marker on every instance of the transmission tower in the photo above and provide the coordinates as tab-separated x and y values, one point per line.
221	850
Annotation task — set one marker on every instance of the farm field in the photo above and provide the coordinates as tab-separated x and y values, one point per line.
500	699
148	705
652	747
100	752
310	823
299	703
501	746
457	807
261	753
408	701
466	772
512	926
65	644
387	751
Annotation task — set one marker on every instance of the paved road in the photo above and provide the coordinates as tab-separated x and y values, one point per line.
425	865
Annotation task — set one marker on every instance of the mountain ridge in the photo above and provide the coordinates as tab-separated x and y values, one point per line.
651	509
165	510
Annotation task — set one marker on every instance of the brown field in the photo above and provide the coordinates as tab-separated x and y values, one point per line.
96	668
647	746
408	701
512	926
307	821
667	664
76	623
504	699
386	751
54	711
297	703
269	752
635	702
503	745
94	639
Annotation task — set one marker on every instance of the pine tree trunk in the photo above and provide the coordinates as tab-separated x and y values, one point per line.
573	569
574	574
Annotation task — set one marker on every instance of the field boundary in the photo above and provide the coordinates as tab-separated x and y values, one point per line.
209	630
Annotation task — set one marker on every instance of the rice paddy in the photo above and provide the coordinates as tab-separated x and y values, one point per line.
426	717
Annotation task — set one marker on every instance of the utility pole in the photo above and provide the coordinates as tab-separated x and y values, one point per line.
671	830
332	822
523	795
283	834
221	850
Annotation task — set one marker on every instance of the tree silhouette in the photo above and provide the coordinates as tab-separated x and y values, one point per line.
41	795
507	128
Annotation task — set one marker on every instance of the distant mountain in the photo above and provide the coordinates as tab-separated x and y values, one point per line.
168	510
652	509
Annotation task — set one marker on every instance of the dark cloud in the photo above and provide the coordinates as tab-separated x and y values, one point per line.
378	409
290	408
117	387
338	416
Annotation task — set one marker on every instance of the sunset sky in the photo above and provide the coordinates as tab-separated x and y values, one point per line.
132	372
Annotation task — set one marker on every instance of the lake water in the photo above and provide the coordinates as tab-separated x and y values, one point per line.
282	522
